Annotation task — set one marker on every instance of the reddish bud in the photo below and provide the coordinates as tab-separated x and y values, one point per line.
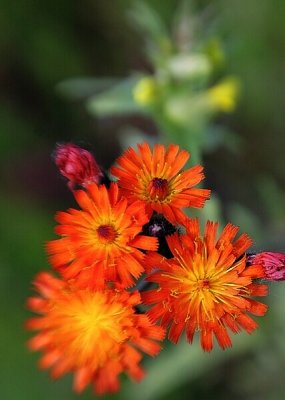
77	165
273	264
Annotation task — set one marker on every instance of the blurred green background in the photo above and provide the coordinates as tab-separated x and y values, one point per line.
43	43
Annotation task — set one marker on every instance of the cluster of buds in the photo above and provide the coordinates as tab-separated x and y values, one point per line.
130	244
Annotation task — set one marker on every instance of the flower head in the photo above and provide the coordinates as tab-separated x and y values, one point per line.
273	264
101	242
206	286
145	91
77	165
156	179
95	334
224	95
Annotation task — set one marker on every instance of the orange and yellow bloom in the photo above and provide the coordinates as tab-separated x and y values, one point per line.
157	180
101	242
96	335
206	286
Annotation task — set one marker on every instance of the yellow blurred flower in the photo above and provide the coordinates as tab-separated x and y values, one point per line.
224	96
145	91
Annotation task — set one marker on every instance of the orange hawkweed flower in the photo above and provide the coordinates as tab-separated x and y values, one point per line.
206	286
100	243
156	179
95	334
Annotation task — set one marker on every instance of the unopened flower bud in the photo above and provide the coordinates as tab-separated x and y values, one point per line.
78	165
189	66
273	264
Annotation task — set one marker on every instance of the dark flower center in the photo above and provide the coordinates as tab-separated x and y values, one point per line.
106	233
158	189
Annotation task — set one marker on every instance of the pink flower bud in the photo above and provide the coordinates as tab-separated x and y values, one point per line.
273	264
77	165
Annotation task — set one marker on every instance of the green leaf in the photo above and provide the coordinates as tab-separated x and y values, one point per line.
80	88
145	18
117	100
154	31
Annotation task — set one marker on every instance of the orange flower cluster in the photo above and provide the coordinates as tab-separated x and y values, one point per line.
90	322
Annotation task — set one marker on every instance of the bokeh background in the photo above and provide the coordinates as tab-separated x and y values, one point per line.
45	43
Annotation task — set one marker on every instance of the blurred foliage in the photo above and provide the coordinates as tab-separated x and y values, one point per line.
44	47
185	89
